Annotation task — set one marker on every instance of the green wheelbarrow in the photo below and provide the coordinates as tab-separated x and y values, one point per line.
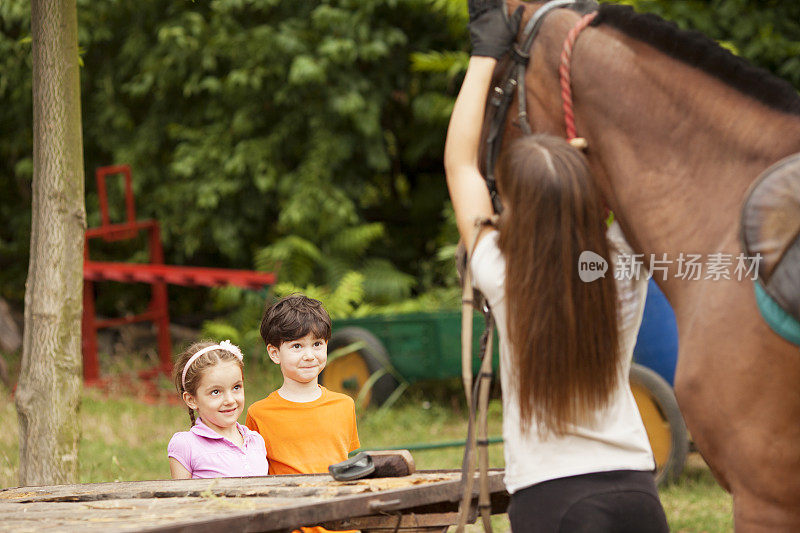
392	348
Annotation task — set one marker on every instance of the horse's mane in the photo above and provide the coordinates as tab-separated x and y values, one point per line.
699	51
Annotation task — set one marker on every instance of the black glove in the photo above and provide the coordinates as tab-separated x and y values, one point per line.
491	34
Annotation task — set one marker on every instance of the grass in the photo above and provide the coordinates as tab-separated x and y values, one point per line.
696	502
126	428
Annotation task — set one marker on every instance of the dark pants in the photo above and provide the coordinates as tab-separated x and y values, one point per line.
620	501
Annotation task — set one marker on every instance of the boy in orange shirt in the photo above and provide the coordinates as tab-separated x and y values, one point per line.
305	426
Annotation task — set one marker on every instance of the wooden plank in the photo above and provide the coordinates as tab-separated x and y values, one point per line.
272	503
296	485
399	521
127	515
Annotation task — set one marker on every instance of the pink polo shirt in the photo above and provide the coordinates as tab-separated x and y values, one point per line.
205	453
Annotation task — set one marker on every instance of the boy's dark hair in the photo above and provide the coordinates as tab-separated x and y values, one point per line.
293	317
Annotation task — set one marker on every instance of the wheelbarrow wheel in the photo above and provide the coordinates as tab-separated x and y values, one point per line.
663	422
350	372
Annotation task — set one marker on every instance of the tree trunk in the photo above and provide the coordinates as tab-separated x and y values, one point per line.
48	392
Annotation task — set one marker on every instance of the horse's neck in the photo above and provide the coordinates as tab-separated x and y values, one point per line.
673	148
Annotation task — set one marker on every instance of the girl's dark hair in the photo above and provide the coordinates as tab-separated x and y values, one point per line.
563	332
195	372
293	317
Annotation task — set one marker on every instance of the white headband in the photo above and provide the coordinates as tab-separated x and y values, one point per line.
226	345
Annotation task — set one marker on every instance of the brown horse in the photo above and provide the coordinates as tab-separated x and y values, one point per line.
677	130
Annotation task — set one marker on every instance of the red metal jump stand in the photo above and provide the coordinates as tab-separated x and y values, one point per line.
155	273
157	311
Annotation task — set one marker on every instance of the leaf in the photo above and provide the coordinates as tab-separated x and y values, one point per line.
306	70
441	62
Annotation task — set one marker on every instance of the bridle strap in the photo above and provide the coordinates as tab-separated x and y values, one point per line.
482	441
503	93
528	35
535	22
501	100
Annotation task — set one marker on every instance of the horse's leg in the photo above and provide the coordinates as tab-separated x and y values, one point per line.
738	385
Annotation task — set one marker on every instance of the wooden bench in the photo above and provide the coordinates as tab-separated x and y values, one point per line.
155	273
424	501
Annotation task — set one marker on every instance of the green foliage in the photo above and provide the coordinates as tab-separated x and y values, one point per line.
287	132
299	262
452	63
766	32
339	301
16	138
299	137
242	310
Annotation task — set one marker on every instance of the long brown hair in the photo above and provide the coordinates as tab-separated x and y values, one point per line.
562	331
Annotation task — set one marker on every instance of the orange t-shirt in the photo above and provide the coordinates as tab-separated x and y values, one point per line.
307	437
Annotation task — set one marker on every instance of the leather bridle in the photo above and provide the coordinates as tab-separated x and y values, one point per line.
502	93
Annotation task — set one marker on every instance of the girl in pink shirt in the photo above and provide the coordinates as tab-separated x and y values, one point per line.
208	377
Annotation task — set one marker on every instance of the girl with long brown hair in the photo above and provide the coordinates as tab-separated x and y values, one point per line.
576	451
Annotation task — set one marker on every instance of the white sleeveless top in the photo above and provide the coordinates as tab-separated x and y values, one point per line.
616	438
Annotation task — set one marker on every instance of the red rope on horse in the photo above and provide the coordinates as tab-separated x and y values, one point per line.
564	71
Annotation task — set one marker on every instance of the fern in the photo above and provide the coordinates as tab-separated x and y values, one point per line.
227	297
340	303
334	269
350	290
383	283
439	299
354	241
292	257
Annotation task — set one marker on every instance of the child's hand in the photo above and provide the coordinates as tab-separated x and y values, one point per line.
491	33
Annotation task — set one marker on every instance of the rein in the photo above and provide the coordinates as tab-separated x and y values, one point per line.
477	394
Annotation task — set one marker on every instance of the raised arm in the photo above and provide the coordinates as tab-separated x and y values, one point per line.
467	187
491	36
